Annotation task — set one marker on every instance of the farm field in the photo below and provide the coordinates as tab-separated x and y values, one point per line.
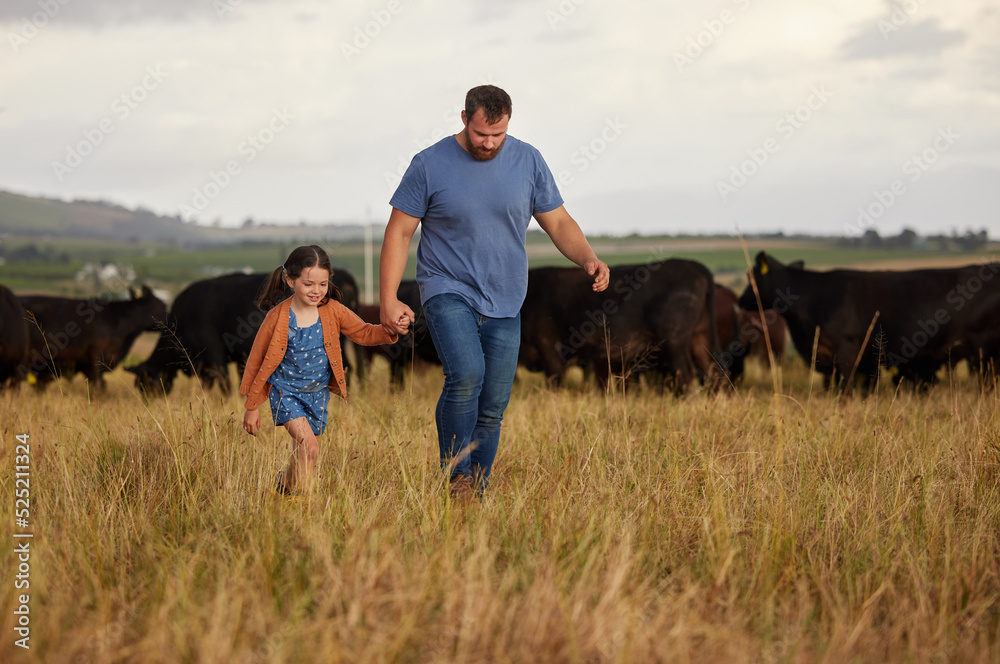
171	268
777	523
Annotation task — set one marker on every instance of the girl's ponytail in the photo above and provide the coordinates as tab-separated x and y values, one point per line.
272	291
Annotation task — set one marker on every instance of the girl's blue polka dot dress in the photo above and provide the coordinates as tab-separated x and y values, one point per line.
300	383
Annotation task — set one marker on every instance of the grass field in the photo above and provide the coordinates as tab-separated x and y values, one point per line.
767	525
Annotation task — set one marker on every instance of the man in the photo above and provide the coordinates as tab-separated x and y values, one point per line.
475	193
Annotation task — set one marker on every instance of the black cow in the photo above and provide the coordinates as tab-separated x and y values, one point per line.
350	297
68	336
13	337
418	342
658	316
925	318
212	323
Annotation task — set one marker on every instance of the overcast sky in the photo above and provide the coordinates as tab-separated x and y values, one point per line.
665	117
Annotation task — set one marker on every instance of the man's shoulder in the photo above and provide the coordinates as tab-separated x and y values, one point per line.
520	145
439	149
522	151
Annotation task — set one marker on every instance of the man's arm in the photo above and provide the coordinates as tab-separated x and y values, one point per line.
395	316
571	243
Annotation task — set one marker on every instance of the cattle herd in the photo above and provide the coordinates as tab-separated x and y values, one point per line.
666	320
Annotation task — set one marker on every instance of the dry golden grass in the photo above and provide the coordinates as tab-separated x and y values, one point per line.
715	528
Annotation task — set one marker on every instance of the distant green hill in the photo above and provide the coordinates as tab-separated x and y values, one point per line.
30	216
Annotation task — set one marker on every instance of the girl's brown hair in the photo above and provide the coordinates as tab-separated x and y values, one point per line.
273	290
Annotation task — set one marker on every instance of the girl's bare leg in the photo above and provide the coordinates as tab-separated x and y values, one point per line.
305	453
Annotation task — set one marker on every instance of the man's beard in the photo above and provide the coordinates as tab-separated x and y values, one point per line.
479	153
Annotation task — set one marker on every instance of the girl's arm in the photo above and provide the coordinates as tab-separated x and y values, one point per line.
361	332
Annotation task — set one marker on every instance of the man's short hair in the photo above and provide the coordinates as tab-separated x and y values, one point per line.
494	102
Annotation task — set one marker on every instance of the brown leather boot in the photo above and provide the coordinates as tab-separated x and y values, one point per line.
461	488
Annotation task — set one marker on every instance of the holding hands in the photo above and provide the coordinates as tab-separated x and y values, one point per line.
396	317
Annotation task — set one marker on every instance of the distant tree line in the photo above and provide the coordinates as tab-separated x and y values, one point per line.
909	239
30	253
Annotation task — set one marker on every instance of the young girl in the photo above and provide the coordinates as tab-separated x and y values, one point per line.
296	359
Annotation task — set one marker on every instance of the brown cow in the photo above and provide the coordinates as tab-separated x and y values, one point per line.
741	333
752	330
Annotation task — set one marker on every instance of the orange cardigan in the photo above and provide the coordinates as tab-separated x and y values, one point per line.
272	339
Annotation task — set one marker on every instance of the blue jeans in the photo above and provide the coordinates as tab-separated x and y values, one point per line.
479	355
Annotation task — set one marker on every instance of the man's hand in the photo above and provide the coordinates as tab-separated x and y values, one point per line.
599	270
571	243
396	317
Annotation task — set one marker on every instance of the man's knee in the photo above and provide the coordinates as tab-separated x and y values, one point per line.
491	413
465	383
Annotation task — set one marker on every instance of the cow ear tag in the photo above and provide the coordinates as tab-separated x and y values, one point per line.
763	267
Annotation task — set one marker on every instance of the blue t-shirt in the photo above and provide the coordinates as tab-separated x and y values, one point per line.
474	217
